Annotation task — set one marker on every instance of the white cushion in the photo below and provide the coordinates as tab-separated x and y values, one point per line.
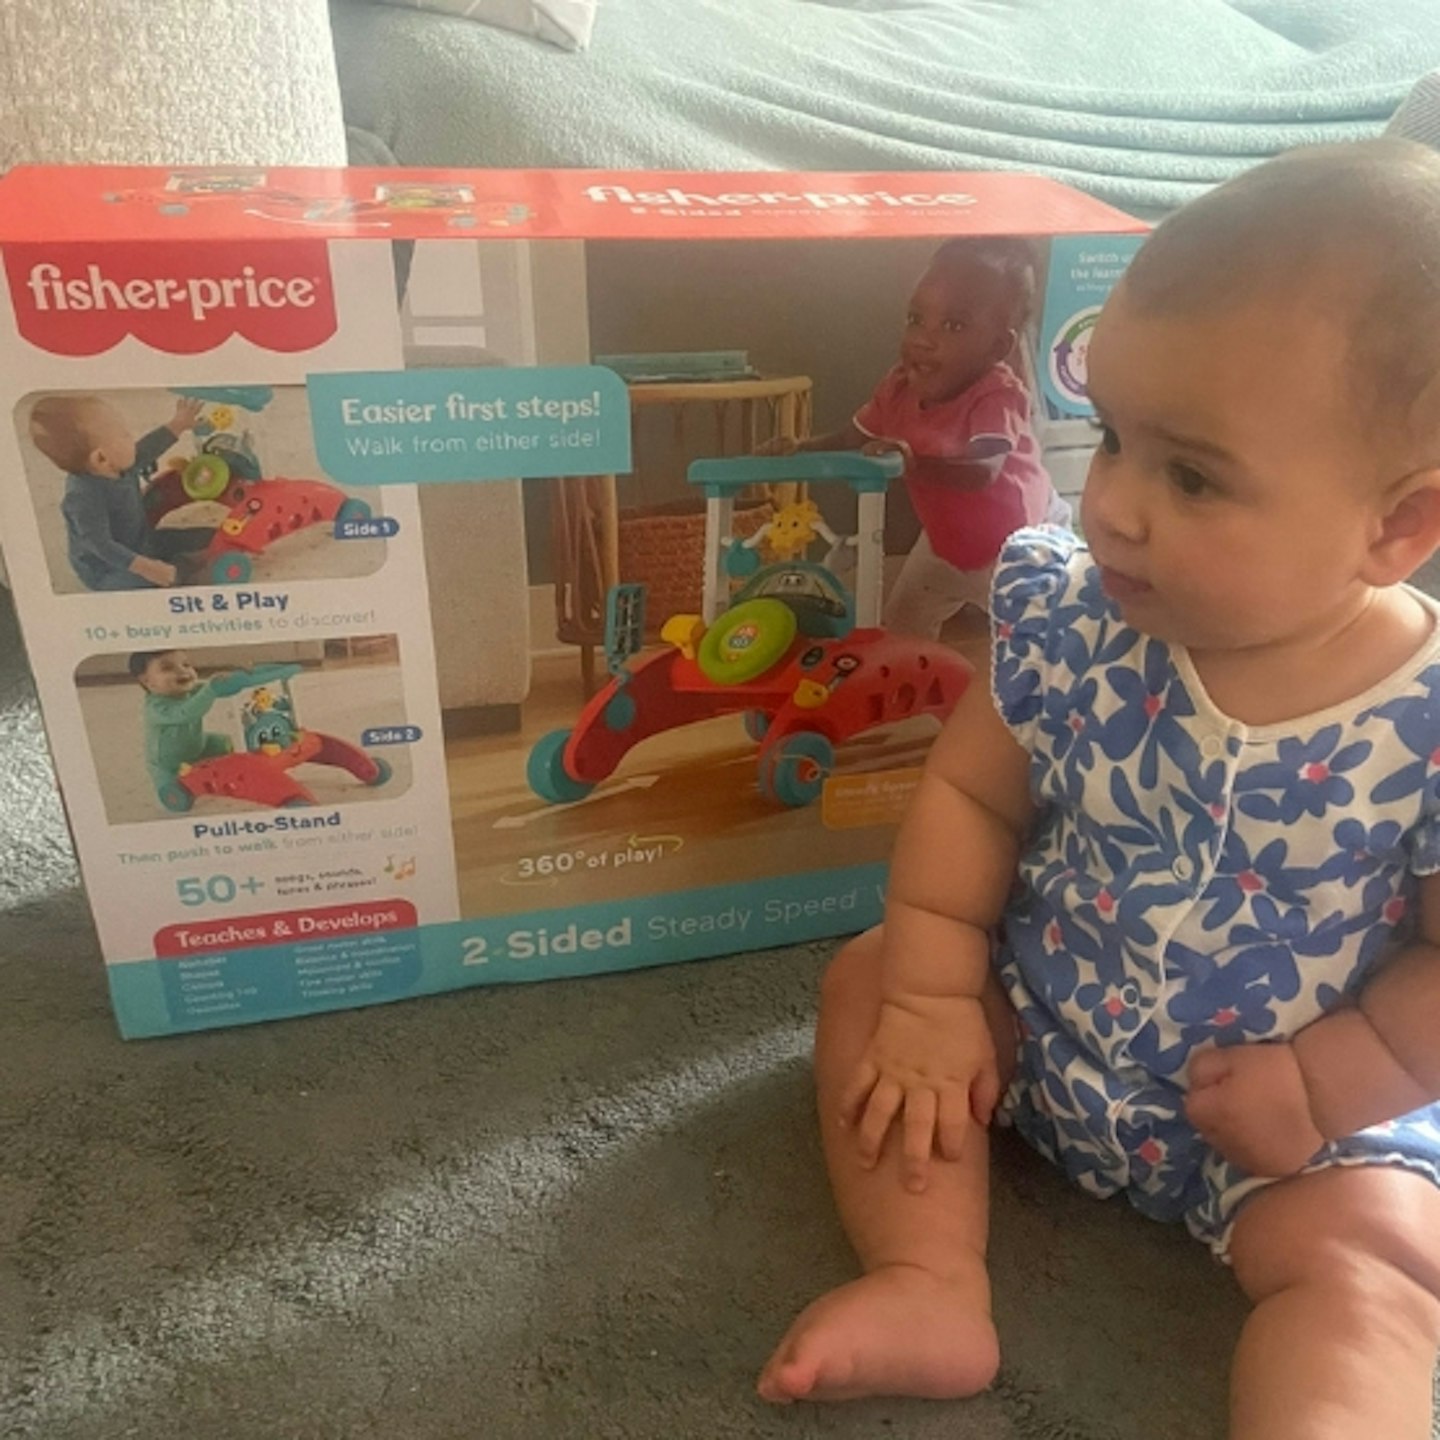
169	82
566	23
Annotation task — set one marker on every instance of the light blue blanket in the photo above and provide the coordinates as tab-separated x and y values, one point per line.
1143	102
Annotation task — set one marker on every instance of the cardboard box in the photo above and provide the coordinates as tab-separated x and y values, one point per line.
430	726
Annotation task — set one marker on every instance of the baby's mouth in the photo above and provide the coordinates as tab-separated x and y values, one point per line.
923	373
1120	586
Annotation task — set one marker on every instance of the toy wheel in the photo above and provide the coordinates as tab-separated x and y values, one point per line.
744	642
205	477
174	796
231	568
795	771
757	722
383	772
352	510
546	772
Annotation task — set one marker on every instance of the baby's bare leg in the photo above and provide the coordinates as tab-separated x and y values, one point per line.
1344	1270
918	1321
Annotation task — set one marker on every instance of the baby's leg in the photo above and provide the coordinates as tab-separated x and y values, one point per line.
918	1321
1344	1268
929	590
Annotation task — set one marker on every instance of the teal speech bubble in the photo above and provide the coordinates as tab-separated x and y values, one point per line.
388	427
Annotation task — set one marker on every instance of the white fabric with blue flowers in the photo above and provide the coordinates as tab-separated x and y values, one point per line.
1191	881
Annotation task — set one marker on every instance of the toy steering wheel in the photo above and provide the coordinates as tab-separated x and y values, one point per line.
746	641
205	477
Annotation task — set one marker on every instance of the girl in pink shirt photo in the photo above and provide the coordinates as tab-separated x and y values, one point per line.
961	417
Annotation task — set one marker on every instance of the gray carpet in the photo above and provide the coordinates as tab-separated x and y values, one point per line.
581	1209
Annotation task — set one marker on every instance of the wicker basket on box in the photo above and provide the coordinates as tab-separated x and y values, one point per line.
662	547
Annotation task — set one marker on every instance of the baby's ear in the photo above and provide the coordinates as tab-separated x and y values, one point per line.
1409	529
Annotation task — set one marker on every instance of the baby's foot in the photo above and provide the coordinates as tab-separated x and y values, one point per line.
899	1330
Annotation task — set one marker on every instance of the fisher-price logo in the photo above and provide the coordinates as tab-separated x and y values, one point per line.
83	299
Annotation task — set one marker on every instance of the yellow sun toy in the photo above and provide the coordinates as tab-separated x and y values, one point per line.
792	529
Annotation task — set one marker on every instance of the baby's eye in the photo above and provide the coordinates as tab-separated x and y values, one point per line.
1109	440
911	318
1187	479
953	327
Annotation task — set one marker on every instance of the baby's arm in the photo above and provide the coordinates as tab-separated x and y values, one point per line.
1380	1058
976	469
1269	1107
180	709
930	1065
150	447
849	438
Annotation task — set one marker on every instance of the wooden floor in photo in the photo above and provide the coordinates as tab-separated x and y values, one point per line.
682	811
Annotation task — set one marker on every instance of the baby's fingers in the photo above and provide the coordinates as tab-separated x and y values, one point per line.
919	1138
954	1120
885	1102
985	1095
856	1094
1209	1067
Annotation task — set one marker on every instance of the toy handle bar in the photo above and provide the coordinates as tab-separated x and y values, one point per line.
268	674
244	397
861	473
232	682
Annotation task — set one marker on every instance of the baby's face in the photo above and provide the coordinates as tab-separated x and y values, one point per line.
170	675
111	441
1234	491
955	330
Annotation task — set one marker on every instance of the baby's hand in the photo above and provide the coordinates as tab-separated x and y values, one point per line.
1250	1103
930	1067
157	572
779	445
187	412
889	447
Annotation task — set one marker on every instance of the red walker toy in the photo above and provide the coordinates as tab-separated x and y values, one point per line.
227	472
807	666
274	746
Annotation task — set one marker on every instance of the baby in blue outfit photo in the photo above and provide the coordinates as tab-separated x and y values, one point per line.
109	539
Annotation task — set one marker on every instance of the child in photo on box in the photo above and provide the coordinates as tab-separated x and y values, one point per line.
1167	899
111	543
177	701
960	415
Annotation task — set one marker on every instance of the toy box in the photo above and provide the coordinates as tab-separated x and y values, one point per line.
424	576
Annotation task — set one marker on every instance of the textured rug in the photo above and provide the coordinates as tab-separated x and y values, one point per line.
578	1209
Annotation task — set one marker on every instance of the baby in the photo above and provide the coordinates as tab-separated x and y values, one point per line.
961	417
112	545
1168	899
177	701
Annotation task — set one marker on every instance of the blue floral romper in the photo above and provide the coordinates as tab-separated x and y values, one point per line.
1191	881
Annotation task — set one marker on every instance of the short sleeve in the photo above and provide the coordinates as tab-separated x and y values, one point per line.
1036	571
1416	721
1004	413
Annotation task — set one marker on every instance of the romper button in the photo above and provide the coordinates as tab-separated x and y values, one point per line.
1182	869
1212	746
